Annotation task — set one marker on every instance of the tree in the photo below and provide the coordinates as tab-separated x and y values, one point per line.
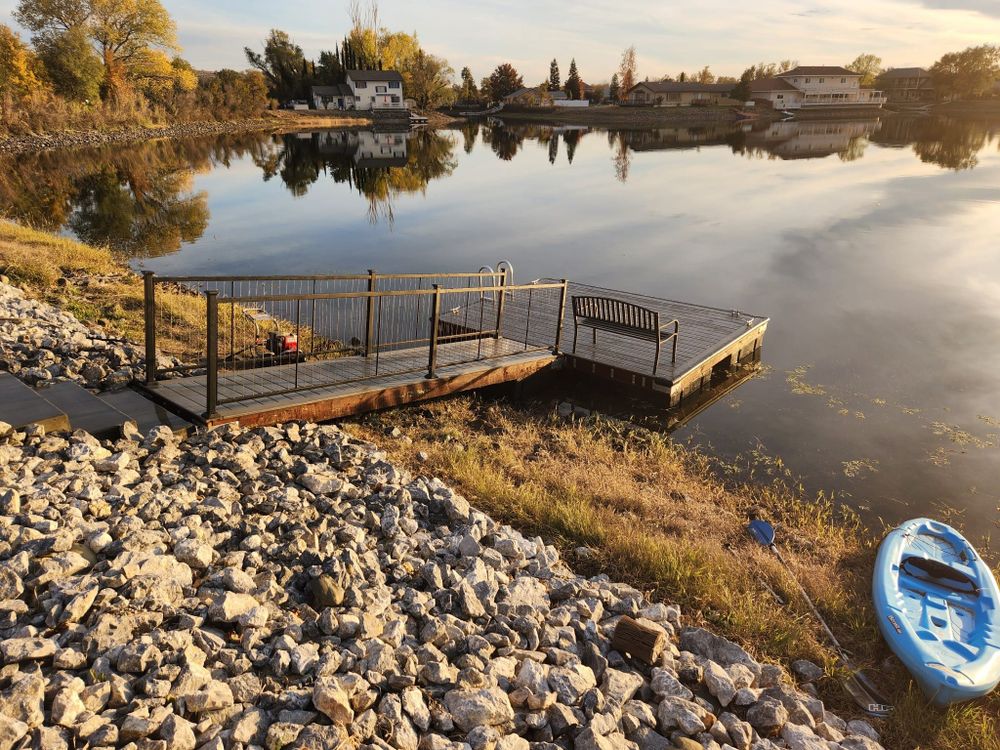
741	91
504	80
967	74
553	75
868	66
614	88
329	71
363	36
430	81
19	67
705	75
71	64
281	65
626	72
574	86
131	37
468	91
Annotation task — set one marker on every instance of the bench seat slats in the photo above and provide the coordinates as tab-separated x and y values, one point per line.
625	319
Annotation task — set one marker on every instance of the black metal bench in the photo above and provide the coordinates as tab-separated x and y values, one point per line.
625	319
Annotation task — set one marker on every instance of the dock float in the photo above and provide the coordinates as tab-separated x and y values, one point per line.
274	349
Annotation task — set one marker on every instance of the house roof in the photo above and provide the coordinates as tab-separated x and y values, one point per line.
677	87
763	85
374	75
905	73
818	70
339	89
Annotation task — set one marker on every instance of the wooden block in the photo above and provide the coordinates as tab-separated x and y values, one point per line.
637	640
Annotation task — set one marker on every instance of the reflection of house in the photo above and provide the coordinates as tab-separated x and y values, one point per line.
820	86
661	139
677	94
907	85
794	139
376	89
340	96
376	149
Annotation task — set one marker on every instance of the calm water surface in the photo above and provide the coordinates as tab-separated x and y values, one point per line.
872	246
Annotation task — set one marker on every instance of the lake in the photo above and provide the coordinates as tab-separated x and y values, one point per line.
873	246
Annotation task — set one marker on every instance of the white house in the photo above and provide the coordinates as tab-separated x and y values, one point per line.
339	96
816	86
376	89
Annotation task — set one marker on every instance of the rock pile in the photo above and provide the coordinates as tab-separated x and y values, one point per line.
39	343
289	587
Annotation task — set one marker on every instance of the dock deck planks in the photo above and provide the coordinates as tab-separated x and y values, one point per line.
350	385
708	336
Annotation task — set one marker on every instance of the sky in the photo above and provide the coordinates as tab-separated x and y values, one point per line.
669	35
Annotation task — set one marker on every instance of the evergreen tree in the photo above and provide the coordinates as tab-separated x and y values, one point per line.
614	90
573	82
553	75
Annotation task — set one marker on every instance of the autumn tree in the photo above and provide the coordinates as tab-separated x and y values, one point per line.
72	64
967	74
741	91
574	86
133	38
19	67
468	91
430	81
503	80
627	72
554	75
281	63
705	75
868	66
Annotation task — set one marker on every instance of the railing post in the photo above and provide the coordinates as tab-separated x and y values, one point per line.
212	353
500	299
149	320
370	317
562	315
432	354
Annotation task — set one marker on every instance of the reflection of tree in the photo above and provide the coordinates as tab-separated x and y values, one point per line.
951	143
505	142
572	138
470	131
855	149
139	200
622	158
300	162
553	148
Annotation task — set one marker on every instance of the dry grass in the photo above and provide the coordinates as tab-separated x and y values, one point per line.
656	516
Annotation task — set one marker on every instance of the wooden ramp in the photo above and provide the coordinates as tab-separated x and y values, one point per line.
326	389
709	338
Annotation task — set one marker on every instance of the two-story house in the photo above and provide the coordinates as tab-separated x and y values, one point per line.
376	89
815	86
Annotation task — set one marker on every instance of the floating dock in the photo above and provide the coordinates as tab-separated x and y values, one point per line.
322	347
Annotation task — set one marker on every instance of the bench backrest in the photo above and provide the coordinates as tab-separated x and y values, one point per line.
615	311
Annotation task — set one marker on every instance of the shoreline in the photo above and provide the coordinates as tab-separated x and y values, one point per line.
278	121
586	487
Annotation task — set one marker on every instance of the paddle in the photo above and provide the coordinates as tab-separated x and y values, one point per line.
857	684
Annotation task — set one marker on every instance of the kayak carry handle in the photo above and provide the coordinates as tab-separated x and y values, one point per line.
941	574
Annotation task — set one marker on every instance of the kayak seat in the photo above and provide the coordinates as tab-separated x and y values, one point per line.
949	577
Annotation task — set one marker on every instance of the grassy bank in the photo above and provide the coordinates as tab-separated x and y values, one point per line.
655	514
647	510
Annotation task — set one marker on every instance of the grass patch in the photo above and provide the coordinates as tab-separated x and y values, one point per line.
656	515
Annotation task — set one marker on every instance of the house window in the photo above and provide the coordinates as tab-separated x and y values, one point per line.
822	80
843	80
380	89
809	80
361	84
394	84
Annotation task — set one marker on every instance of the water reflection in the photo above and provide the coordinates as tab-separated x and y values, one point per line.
142	201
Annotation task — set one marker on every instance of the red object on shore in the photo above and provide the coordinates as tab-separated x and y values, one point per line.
282	343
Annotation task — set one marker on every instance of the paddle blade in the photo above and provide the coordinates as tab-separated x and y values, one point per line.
762	532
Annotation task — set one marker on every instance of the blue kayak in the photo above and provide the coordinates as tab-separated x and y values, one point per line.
938	607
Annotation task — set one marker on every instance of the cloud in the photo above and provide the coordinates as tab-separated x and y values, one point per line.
986	7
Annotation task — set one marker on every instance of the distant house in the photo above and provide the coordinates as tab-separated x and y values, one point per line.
680	94
376	89
815	86
907	85
340	96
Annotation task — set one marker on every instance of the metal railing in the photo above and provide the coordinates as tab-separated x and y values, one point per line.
257	345
175	319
